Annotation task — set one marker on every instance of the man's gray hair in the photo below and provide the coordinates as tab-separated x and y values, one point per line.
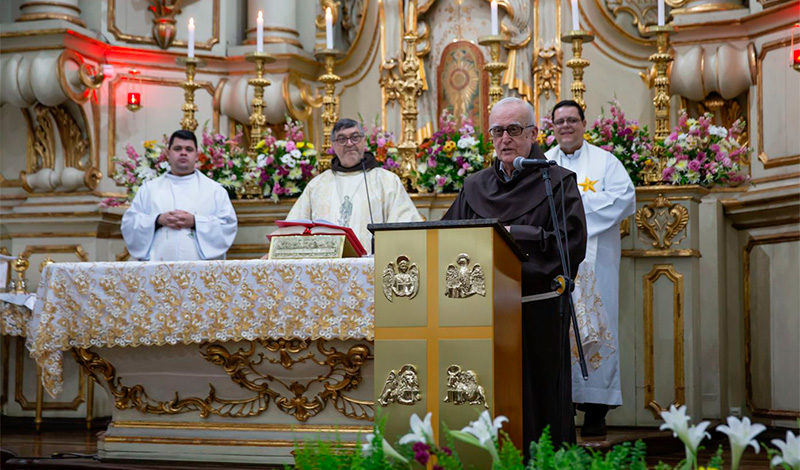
513	99
343	124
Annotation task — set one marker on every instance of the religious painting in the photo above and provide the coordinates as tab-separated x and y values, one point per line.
463	88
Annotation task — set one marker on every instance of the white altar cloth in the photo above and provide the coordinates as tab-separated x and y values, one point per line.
81	305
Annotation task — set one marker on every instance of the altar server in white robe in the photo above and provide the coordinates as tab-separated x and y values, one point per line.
355	191
608	198
181	215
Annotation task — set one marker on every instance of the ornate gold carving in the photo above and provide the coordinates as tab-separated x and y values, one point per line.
164	12
41	140
463	281
661	221
494	67
463	387
642	12
661	59
77	250
74	140
132	38
405	90
402	281
547	70
648	282
401	387
353	12
342	374
625	227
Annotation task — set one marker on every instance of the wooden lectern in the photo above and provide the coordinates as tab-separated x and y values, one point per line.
447	324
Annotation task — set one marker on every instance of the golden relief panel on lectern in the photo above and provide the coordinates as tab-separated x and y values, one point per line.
463	281
463	387
401	387
400	279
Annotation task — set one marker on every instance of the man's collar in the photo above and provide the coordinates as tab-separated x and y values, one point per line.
574	155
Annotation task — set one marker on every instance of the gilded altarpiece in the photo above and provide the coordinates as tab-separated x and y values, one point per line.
462	85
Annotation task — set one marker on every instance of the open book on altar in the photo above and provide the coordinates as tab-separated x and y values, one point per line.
303	238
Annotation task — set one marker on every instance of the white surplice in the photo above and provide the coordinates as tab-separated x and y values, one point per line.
214	217
341	198
608	198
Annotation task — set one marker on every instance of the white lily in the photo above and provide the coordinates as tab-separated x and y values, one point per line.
695	435
790	451
388	450
676	421
421	431
482	433
741	434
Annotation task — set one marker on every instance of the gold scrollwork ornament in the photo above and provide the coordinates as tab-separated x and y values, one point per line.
401	387
463	281
402	280
463	387
661	221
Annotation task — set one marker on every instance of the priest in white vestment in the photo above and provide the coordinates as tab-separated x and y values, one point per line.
355	191
181	215
608	198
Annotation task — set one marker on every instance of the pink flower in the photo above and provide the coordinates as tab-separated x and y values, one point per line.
666	175
550	139
441	180
682	119
694	165
381	141
290	145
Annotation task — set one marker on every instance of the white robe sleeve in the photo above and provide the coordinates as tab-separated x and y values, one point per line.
215	232
615	202
397	204
139	224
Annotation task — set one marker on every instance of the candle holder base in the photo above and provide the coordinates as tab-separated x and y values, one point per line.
579	34
190	61
330	102
654	30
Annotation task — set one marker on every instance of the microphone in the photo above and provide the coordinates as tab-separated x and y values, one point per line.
522	162
369	203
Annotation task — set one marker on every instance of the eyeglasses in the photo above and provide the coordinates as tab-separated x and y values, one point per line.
570	120
178	148
513	130
354	139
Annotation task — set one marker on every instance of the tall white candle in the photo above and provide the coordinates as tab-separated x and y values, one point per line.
495	26
661	12
191	38
260	32
328	28
575	25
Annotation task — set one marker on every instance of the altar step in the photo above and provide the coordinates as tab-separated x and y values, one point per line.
23	448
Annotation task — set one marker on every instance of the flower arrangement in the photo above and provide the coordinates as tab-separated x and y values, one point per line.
382	144
625	139
133	169
419	449
452	153
546	138
285	166
224	161
698	152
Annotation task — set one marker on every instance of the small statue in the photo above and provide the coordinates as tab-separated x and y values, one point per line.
403	281
462	281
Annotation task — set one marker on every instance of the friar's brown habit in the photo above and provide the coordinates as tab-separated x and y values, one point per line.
522	204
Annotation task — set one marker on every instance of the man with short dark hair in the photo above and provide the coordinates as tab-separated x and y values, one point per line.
608	198
517	198
182	214
355	191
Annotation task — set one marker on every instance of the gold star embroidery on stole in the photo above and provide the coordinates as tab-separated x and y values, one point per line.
588	185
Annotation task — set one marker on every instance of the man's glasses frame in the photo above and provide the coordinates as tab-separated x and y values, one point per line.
513	130
353	139
570	120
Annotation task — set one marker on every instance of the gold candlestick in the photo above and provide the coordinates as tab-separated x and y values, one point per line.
407	89
495	69
189	122
20	285
330	103
661	60
258	121
577	63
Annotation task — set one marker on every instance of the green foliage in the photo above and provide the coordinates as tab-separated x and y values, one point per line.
716	459
510	457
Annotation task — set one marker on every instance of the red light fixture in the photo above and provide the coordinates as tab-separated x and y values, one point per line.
134	101
795	47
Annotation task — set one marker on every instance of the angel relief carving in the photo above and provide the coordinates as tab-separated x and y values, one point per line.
464	281
402	280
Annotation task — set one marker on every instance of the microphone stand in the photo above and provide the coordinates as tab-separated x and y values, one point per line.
568	283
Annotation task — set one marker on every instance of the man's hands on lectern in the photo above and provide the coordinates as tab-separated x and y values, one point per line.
176	219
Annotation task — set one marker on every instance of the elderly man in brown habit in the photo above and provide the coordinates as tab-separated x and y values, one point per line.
517	198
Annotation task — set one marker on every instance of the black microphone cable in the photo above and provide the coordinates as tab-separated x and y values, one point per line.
369	202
